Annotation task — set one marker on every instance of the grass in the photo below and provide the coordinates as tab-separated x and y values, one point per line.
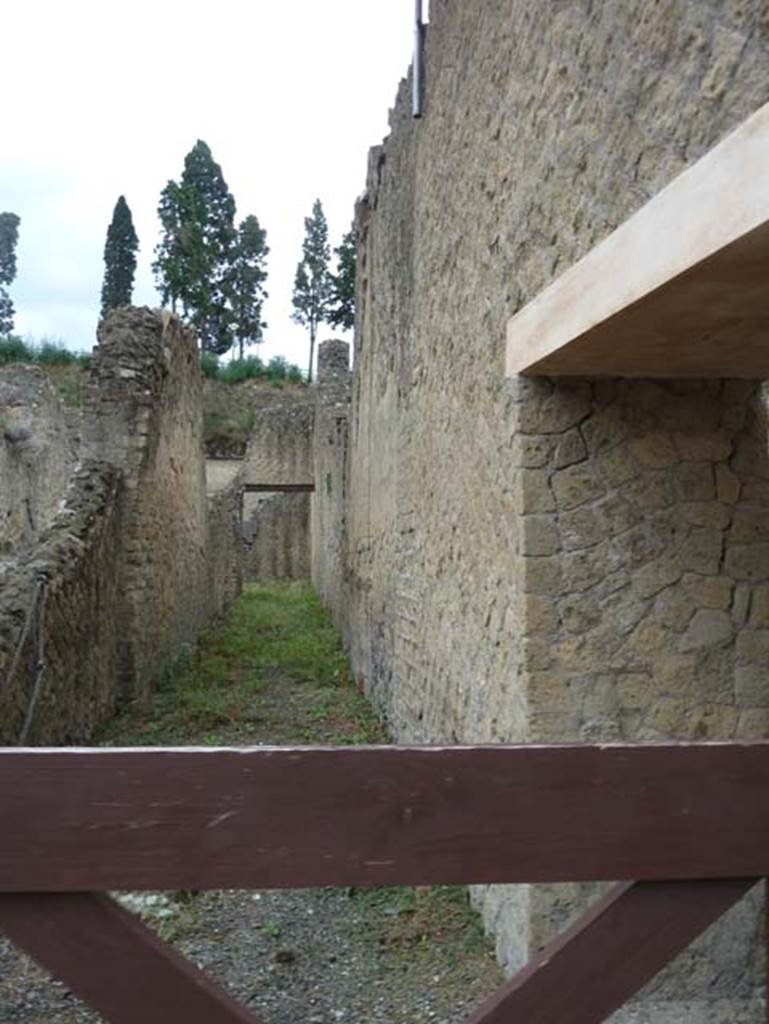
274	672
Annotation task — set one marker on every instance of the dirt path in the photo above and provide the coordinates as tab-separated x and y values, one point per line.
274	673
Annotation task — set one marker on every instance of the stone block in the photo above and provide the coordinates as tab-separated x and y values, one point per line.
539	535
576	486
707	629
533	493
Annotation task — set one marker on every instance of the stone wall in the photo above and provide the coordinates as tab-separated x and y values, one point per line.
225	546
60	606
551	560
330	440
276	537
37	456
279	450
134	562
144	414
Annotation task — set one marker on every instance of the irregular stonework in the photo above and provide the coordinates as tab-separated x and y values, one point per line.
551	560
37	456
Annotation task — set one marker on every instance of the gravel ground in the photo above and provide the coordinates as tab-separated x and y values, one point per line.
320	956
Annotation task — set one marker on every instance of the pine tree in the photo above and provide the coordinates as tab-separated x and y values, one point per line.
246	284
341	311
193	264
312	284
9	236
119	259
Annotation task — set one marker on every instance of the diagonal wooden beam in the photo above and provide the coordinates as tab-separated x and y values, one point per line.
618	945
98	820
113	962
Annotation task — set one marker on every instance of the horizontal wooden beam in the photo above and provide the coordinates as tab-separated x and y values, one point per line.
679	290
279	488
108	958
290	817
612	951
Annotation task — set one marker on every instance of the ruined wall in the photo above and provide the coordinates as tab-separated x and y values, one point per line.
225	547
279	449
330	440
276	537
547	559
276	526
59	607
133	562
144	414
37	456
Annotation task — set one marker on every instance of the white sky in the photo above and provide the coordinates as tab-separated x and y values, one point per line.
107	98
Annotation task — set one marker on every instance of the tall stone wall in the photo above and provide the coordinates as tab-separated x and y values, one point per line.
144	413
551	560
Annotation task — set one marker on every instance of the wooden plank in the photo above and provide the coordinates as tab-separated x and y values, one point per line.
274	817
279	488
678	290
113	962
611	952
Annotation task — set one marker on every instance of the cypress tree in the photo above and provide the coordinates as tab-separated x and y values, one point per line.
119	259
341	310
312	283
9	236
246	287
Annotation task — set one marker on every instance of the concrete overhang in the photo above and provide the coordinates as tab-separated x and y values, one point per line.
681	289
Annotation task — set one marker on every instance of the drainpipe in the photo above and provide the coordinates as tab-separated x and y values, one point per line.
419	39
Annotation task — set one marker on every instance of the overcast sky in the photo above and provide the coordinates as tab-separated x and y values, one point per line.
106	98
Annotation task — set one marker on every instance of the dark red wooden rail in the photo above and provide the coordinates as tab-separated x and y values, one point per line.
686	826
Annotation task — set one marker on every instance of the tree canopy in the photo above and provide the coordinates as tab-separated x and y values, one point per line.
198	263
9	237
341	308
119	259
312	283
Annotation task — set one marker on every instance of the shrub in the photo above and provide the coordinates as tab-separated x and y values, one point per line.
209	364
13	350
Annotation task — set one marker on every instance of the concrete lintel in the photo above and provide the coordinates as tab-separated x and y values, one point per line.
681	289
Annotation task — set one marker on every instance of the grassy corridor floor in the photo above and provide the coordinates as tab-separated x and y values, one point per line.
274	673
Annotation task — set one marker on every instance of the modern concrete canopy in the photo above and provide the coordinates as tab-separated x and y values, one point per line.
681	289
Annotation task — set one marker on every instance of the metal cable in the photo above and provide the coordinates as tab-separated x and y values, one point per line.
39	663
24	633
